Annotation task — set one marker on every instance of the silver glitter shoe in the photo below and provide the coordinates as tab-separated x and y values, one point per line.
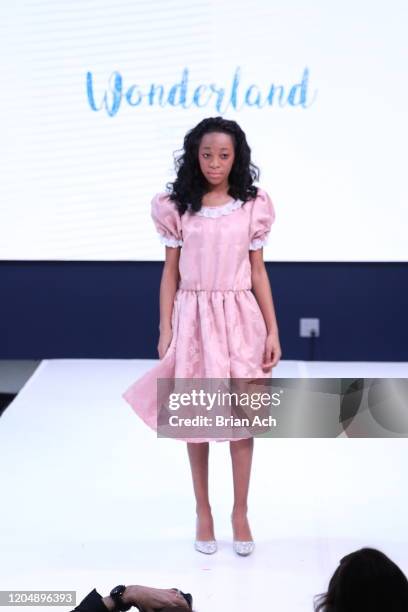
207	547
243	548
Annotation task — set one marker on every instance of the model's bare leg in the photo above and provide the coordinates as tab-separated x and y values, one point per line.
241	456
198	453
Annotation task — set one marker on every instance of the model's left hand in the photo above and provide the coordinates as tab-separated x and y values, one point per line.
272	353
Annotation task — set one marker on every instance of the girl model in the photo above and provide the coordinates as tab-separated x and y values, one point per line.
217	317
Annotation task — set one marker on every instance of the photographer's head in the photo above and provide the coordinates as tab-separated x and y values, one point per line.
365	580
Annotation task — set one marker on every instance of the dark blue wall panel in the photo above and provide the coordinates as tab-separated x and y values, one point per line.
111	309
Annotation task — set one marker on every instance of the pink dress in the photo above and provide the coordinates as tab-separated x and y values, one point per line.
218	327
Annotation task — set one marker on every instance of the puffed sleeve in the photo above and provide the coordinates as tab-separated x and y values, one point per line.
263	215
167	220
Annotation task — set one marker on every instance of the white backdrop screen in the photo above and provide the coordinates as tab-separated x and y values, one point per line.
97	95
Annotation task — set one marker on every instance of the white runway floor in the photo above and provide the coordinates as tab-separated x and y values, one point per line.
92	498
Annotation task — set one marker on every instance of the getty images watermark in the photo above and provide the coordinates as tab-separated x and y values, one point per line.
282	407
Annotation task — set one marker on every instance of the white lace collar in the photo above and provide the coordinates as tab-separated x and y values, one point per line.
217	211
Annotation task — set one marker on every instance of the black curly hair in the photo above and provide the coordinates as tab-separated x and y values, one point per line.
190	185
366	579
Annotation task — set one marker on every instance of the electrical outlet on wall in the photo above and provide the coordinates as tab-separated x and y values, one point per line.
308	326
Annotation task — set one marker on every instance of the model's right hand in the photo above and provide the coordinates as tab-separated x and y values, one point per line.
164	342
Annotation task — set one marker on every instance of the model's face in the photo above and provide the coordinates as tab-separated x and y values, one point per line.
216	156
